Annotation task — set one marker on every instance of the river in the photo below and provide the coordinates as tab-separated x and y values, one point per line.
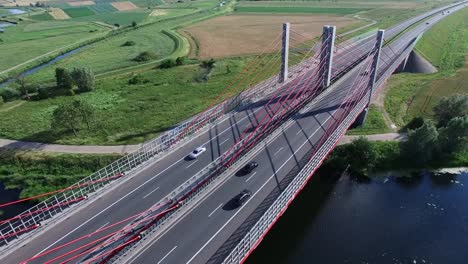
423	219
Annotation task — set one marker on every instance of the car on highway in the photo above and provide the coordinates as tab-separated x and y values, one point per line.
196	152
249	167
242	197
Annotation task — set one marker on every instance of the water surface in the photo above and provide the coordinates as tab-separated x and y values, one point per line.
393	220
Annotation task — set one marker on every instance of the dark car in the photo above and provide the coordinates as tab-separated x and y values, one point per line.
249	167
242	197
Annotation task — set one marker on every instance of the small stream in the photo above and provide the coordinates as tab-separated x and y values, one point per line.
39	67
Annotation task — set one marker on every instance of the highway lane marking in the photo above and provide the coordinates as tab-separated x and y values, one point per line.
157	188
134	190
102	226
191	164
276	153
251	177
261	187
224	141
298	132
212	212
165	256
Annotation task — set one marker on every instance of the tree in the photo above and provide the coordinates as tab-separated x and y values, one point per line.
450	107
134	24
85	110
66	116
421	143
9	94
454	136
129	43
167	64
84	79
63	79
362	156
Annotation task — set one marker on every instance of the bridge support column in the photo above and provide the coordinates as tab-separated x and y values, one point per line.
373	75
327	50
285	53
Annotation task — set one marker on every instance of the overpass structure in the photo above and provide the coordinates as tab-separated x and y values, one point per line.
153	206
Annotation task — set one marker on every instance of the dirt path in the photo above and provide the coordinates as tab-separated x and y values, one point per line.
123	149
25	145
378	101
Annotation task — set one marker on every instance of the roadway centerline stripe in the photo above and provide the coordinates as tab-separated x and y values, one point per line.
151	192
251	177
101	227
212	212
261	187
191	164
224	141
165	256
276	153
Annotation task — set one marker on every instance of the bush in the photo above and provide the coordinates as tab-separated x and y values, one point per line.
43	93
180	61
137	79
129	43
167	64
208	64
9	94
145	56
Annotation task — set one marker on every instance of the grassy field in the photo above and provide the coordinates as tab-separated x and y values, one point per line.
238	34
446	45
79	12
314	10
126	113
102	56
38	172
42	17
121	18
375	124
33	39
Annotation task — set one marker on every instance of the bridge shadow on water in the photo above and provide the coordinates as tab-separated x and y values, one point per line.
296	219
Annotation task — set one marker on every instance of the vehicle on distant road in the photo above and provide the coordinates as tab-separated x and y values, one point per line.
196	152
249	167
242	197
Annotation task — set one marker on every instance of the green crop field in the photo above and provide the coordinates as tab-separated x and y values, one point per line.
31	40
78	12
103	8
42	17
121	18
315	10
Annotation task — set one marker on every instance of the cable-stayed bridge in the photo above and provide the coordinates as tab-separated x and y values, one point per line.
153	206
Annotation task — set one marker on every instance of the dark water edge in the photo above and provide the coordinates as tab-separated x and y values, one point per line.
9	195
422	219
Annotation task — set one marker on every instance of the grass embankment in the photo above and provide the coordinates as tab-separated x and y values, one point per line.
126	113
375	124
39	172
446	46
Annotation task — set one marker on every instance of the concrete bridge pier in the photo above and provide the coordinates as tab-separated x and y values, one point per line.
284	53
326	51
361	119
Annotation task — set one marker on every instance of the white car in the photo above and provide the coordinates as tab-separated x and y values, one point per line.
196	152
